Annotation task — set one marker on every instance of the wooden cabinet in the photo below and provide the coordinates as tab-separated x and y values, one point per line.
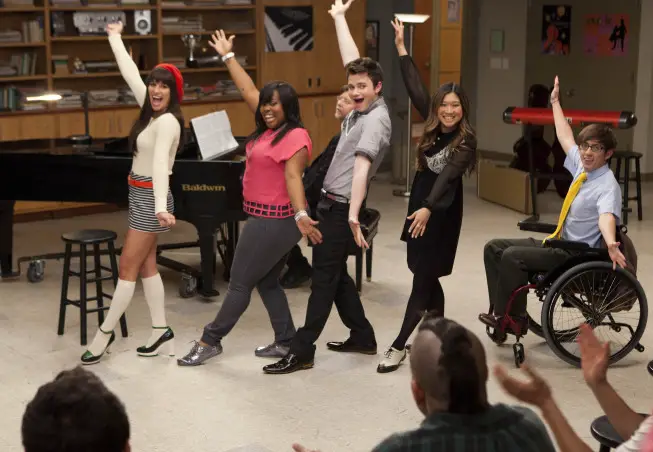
23	127
320	70
318	115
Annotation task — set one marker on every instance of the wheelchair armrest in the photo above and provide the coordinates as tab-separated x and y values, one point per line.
569	245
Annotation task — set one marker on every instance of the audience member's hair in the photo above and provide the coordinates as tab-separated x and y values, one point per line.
366	66
344	89
461	375
601	133
75	412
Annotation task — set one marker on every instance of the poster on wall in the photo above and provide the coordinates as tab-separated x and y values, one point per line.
606	34
556	29
288	28
372	39
453	11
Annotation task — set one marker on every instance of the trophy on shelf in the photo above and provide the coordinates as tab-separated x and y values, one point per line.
191	41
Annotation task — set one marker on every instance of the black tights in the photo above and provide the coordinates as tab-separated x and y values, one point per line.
427	295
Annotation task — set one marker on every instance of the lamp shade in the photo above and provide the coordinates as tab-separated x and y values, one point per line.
413	18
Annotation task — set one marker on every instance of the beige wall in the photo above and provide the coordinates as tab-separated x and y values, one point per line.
643	133
500	88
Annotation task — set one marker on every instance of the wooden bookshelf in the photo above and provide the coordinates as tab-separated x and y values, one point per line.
317	74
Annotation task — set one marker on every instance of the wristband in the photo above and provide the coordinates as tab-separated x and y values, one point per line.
300	214
227	56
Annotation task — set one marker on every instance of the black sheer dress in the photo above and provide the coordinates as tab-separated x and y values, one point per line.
437	187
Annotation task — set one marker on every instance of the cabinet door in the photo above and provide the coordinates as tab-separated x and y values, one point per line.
101	123
70	123
327	69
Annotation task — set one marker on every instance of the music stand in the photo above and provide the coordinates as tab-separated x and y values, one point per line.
411	20
56	97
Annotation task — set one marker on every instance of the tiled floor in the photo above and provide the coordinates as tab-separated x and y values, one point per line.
229	404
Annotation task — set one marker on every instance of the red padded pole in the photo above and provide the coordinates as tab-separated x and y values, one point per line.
544	117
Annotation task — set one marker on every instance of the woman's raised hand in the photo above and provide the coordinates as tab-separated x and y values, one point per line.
221	43
114	28
555	93
399	36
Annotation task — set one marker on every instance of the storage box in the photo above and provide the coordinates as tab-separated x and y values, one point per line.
503	185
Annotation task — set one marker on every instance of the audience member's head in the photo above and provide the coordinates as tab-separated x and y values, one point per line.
75	412
449	368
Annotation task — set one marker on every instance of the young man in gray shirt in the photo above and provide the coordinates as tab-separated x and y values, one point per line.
364	139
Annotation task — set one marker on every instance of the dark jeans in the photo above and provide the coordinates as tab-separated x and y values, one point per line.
260	256
296	260
507	265
332	283
6	235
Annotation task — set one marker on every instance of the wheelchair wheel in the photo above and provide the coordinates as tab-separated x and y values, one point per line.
601	297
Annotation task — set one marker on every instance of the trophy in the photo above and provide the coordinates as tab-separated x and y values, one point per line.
191	40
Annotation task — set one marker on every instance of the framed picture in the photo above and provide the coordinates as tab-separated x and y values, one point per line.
372	39
497	42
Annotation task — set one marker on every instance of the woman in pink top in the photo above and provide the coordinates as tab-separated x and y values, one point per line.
273	192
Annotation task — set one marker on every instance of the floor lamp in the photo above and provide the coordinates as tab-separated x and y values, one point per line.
410	20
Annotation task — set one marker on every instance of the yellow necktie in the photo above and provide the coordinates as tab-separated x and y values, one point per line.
571	194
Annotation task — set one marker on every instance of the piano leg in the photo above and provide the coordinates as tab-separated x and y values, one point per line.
7	239
208	256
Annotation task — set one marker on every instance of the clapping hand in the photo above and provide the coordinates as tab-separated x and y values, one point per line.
166	219
338	8
535	391
220	43
114	28
594	356
555	93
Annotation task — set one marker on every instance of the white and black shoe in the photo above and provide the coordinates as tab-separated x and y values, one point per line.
392	358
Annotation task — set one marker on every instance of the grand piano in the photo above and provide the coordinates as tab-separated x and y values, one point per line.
207	193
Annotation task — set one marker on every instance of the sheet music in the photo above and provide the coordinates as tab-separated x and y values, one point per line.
213	134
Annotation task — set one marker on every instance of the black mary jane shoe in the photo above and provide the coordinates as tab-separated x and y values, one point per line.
89	358
287	365
166	339
351	347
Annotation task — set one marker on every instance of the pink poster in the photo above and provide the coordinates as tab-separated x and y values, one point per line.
606	34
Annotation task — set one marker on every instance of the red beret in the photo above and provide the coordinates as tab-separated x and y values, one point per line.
179	79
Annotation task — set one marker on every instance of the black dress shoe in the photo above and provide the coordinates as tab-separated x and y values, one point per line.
9	275
287	365
352	347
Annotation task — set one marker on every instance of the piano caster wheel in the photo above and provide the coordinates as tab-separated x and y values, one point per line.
188	287
36	271
518	350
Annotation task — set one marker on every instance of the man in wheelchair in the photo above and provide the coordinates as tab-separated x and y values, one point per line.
590	214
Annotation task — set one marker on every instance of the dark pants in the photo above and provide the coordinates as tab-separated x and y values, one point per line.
332	283
508	263
296	260
6	235
260	256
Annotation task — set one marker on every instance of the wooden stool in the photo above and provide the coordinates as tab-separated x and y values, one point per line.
605	434
369	220
84	238
627	157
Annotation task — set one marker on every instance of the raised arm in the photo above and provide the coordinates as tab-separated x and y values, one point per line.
417	91
563	129
243	81
348	50
128	68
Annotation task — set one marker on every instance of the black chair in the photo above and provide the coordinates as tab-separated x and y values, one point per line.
85	238
626	157
605	434
369	220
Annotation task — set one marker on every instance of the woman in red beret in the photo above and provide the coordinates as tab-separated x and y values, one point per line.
155	138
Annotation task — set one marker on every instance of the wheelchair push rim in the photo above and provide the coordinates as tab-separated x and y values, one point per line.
597	312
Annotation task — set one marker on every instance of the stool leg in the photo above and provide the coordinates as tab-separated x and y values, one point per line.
98	283
64	288
114	271
626	187
368	259
638	182
82	294
359	268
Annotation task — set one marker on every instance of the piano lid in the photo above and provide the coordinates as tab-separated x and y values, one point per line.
60	146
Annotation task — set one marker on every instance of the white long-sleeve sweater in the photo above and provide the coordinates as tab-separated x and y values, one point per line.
157	143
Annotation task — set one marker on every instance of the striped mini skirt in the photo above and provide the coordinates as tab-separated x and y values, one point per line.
141	206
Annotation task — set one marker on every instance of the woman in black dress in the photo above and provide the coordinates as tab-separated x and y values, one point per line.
446	151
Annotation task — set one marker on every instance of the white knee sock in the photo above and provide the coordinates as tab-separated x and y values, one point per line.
155	297
122	296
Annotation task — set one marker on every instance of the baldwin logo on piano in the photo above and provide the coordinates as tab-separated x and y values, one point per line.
202	187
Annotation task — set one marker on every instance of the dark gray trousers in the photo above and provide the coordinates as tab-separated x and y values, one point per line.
260	257
507	265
